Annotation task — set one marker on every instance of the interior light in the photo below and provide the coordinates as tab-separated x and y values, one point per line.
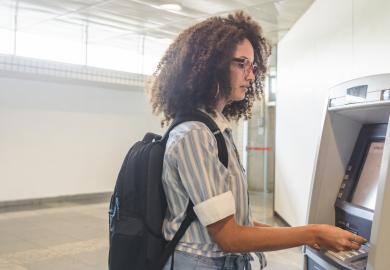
171	7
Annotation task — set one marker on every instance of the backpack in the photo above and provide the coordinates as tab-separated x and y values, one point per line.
138	204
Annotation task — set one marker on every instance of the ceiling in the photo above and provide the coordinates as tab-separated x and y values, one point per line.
118	22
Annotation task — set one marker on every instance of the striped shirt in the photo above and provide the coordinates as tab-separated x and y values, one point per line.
191	169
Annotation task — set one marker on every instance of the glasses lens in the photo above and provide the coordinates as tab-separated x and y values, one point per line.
246	65
255	69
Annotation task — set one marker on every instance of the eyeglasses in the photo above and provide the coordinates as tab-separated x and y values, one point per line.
246	66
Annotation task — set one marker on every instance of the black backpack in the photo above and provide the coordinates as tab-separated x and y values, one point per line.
138	204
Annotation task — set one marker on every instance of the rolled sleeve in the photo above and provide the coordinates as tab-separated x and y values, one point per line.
215	209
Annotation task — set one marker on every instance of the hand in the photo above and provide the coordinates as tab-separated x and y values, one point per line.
335	239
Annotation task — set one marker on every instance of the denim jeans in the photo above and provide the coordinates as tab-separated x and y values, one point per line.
188	261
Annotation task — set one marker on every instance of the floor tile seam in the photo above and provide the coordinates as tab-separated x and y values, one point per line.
4	265
41	254
40	244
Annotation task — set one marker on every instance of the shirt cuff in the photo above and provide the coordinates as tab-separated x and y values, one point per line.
215	208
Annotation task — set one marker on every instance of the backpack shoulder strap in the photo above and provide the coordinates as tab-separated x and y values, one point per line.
209	122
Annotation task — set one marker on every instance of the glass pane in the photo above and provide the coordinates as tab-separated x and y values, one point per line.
7	40
6	26
54	40
100	33
7	14
114	58
136	54
153	51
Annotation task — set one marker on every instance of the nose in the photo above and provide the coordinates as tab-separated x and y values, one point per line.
250	76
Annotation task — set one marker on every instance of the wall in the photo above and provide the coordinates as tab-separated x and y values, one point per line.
332	42
65	138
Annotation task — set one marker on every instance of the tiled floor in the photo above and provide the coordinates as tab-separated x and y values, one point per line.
75	237
262	209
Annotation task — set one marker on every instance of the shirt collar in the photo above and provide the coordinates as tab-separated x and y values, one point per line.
220	120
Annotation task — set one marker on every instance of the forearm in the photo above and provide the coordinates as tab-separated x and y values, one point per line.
270	238
232	237
235	238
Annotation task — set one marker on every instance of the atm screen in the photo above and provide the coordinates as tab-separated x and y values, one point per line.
367	186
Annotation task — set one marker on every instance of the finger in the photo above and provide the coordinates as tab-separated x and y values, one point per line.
358	239
354	245
316	246
346	244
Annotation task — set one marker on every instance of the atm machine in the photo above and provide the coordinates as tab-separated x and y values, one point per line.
351	176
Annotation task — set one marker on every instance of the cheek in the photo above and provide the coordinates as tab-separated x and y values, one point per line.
234	80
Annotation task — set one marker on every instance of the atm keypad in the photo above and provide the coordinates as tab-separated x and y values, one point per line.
349	255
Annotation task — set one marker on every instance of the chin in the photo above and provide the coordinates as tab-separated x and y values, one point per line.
238	98
238	95
242	96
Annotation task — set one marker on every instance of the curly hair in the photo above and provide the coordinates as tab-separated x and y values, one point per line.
195	69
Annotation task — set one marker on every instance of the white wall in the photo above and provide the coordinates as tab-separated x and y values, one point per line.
332	42
59	138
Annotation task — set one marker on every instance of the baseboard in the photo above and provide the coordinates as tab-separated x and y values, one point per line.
282	219
87	198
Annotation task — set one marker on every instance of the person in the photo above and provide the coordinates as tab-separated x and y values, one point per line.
218	66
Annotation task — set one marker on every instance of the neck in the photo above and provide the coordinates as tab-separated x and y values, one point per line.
221	103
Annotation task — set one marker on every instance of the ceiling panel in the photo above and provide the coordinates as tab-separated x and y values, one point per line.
110	21
293	9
